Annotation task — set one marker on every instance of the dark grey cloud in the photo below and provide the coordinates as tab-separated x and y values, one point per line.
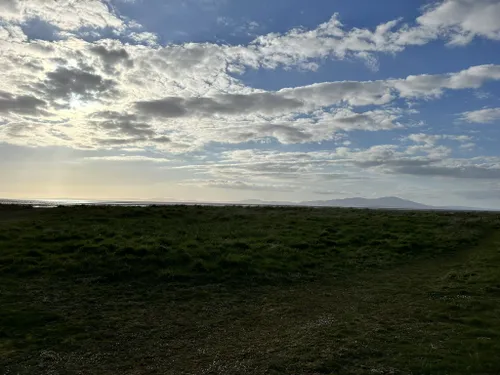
242	185
469	171
161	139
266	167
21	130
168	107
338	176
119	141
111	57
29	64
388	161
32	65
65	82
125	128
122	123
22	104
325	192
354	119
283	133
132	140
286	134
395	163
356	93
230	104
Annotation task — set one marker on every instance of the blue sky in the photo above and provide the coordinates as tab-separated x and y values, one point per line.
221	100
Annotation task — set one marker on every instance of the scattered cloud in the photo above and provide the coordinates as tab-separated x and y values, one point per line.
462	20
350	164
480	94
432	139
428	86
482	116
174	96
145	37
433	162
237	184
466	171
65	14
100	81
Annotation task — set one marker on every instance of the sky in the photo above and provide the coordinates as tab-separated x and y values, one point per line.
225	100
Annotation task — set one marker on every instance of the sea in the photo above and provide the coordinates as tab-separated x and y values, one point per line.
49	203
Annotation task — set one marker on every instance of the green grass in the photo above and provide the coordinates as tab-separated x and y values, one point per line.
248	290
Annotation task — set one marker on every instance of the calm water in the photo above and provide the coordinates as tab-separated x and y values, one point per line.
46	203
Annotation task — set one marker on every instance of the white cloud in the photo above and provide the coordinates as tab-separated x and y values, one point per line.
424	138
482	116
360	93
144	37
458	20
462	20
432	139
427	85
64	14
12	33
178	98
330	39
185	96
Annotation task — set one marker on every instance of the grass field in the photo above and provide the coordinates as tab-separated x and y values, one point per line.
248	290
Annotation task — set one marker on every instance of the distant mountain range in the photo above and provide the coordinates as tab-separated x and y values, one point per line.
356	202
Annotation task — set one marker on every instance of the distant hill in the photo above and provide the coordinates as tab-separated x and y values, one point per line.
268	203
358	202
384	202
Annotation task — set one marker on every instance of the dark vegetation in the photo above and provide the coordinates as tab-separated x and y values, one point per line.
248	290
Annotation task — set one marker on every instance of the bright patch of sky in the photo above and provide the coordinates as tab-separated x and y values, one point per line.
227	100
